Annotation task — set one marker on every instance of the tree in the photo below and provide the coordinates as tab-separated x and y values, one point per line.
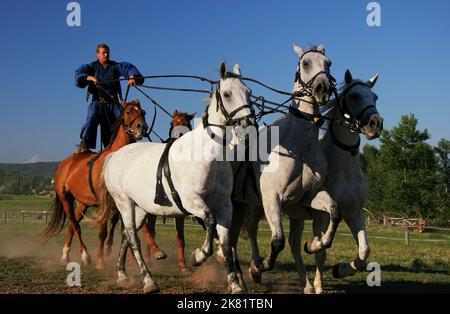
402	174
442	151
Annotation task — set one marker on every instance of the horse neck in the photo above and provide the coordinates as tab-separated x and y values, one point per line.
119	140
342	134
308	105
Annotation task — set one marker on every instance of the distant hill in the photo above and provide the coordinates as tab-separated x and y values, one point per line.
41	169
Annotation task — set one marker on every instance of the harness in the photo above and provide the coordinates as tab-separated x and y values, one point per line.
160	194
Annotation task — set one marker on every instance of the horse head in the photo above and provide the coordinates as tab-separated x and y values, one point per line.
313	73
180	123
133	120
357	103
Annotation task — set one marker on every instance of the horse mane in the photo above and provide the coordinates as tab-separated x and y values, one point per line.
115	129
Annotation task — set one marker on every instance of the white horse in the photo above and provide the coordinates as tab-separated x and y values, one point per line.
297	167
204	186
352	113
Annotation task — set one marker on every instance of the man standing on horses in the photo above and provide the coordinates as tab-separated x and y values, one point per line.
101	77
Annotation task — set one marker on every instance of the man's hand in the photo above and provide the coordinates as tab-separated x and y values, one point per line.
131	81
92	79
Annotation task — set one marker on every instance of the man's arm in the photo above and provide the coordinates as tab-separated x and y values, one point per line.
83	75
127	70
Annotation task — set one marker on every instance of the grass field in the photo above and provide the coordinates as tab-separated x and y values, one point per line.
28	267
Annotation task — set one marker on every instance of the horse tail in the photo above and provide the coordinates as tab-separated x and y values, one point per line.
57	220
107	206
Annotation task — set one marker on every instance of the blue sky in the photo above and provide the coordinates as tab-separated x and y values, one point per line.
43	111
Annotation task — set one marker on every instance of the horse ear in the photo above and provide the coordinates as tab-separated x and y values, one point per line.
207	101
174	114
348	77
371	82
223	70
123	103
321	48
298	50
237	69
192	115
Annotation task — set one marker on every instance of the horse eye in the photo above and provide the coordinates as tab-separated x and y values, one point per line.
128	112
227	95
305	63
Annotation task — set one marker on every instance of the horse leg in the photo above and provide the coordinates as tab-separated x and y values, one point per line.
102	233
224	218
148	229
179	224
110	236
295	240
132	216
80	211
239	214
253	219
323	202
66	249
320	223
358	228
272	210
122	278
199	256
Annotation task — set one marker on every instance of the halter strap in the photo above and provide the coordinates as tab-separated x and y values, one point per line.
353	149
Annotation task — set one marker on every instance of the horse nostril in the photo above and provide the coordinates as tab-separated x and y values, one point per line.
319	88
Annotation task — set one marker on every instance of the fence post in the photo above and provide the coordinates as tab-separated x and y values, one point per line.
384	221
45	217
23	217
5	216
407	235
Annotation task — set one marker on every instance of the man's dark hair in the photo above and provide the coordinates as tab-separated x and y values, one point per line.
102	45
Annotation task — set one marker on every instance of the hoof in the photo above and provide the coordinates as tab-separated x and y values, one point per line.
122	281
319	290
160	255
194	260
308	248
308	290
185	270
237	290
335	271
86	259
100	265
255	273
151	287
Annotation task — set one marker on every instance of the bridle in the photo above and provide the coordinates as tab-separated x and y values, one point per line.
307	90
350	119
229	116
129	127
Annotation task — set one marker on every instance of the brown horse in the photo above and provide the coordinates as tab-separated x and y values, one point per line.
76	179
148	229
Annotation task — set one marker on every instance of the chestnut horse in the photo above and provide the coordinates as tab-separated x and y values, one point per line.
76	178
148	229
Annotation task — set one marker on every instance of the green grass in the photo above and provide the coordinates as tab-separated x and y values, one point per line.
27	266
24	202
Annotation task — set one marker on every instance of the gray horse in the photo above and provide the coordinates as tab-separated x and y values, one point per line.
296	167
352	112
